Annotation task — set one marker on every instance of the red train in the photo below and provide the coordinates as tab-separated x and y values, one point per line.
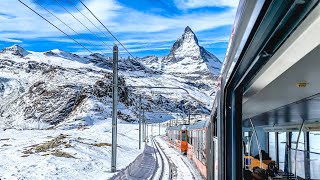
192	141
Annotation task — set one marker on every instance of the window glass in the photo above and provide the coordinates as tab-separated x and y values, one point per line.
314	137
272	145
294	139
184	137
282	149
298	160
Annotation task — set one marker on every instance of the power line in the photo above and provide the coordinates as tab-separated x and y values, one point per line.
81	23
64	23
55	26
106	29
70	1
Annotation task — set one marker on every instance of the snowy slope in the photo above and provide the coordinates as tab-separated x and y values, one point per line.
83	153
46	94
57	88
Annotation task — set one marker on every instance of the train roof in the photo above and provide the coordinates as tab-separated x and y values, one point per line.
199	125
178	127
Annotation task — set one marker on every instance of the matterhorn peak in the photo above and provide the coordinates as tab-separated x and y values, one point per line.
186	50
188	29
186	45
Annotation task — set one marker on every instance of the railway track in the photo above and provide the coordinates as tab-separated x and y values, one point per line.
164	158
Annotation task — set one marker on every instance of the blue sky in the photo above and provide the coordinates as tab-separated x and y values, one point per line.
146	27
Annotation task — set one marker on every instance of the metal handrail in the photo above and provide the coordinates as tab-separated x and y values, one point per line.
306	151
297	145
258	143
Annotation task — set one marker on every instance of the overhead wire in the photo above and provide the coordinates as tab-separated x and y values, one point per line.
106	29
70	2
36	1
82	24
55	26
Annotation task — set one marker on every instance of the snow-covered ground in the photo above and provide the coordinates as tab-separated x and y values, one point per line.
55	106
34	154
182	167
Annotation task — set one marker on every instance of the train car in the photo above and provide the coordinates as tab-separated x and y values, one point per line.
267	104
177	136
197	145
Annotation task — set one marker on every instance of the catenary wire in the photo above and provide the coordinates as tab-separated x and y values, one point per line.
82	24
55	26
106	28
64	23
70	1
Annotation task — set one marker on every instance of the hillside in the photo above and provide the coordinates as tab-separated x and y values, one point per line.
60	89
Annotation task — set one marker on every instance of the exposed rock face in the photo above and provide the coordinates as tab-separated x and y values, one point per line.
61	89
48	95
191	57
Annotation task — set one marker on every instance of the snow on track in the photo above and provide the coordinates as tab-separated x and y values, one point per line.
182	169
165	170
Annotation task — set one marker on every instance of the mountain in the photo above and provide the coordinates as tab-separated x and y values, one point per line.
187	52
58	89
15	50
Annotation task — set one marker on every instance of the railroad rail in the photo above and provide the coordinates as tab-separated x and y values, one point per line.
163	158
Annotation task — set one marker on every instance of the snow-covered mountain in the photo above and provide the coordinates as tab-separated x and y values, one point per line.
58	89
187	52
186	57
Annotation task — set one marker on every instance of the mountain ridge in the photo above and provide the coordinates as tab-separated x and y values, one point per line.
61	89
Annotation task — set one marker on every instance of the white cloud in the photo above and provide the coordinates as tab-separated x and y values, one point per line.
10	40
132	27
192	4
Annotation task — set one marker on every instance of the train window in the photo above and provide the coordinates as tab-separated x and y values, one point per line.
282	149
299	158
272	145
184	136
295	139
203	149
314	138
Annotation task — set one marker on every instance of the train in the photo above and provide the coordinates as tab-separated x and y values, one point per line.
266	107
190	140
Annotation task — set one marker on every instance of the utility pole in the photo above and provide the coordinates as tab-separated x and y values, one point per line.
140	121
114	109
189	116
159	129
143	127
147	132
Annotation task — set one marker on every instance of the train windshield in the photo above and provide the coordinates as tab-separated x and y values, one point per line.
184	136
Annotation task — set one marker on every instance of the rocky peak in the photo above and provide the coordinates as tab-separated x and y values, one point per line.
187	51
188	29
16	50
188	42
